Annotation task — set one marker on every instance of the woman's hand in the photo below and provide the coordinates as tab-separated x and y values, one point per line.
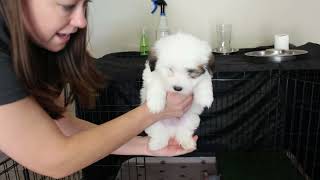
176	105
173	149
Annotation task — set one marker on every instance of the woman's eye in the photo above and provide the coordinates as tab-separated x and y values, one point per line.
71	7
68	7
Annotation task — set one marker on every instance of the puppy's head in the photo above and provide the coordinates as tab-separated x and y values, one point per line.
182	60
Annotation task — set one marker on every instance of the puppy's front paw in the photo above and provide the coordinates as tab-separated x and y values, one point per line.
156	105
156	101
157	144
188	144
205	101
203	94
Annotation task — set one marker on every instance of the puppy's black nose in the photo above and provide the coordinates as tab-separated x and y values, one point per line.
177	88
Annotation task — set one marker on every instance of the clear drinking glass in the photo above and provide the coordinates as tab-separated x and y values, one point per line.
224	37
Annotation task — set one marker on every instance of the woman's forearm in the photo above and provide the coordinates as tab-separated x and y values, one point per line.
71	125
136	146
79	151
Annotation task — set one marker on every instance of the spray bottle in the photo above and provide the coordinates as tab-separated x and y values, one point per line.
163	28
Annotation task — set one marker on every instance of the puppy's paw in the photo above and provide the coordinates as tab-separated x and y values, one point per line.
185	139
188	144
156	105
205	101
157	144
156	102
203	94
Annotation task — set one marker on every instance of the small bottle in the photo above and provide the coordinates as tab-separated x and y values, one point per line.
163	28
144	45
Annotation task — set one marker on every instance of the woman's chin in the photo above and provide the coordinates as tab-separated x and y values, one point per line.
56	48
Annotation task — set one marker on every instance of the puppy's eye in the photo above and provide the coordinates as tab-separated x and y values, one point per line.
194	73
170	71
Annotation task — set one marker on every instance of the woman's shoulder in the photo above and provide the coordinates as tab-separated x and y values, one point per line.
4	37
11	89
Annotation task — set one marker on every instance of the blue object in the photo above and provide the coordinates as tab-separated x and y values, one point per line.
162	4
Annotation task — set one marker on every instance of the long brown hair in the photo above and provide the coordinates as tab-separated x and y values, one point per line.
45	74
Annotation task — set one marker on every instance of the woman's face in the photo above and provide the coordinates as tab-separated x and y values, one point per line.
50	23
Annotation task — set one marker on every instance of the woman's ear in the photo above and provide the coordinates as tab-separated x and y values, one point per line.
211	64
152	60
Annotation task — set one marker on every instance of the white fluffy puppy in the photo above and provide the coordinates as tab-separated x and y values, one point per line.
180	63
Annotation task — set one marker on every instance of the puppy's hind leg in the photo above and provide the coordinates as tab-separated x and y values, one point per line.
185	131
158	136
158	142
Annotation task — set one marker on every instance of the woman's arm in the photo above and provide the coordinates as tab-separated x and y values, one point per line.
138	145
32	138
70	125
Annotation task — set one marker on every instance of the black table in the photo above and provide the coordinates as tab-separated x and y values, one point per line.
129	65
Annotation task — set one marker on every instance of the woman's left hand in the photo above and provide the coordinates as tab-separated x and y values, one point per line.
173	149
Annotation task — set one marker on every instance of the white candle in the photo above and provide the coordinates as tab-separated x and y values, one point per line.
281	41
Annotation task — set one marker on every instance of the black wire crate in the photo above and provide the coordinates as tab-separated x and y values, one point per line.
161	168
158	168
247	115
302	119
11	170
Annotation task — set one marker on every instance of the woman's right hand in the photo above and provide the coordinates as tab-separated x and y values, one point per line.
176	105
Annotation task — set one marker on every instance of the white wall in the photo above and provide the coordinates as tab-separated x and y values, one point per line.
115	25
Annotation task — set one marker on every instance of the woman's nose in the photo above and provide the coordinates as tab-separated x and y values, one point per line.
79	19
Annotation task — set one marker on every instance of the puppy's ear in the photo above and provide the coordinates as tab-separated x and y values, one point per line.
152	59
211	64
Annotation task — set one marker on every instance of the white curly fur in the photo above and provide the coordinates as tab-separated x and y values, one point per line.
176	54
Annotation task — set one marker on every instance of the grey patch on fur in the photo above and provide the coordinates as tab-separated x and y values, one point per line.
152	59
211	65
194	73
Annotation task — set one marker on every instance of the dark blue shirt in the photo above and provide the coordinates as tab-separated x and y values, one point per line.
11	89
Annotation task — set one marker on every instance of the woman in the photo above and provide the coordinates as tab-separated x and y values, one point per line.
42	49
